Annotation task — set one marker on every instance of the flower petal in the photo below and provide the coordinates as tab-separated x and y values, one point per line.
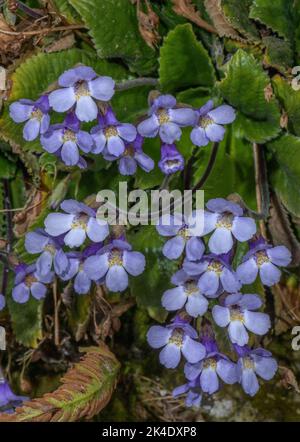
227	371
58	223
31	129
221	315
194	249
174	299
237	333
215	132
196	305
169	132
62	100
192	350
35	242
86	109
127	131
96	266
20	293
247	271
229	281
209	283
102	88
221	241
183	117
82	283
209	381
269	274
44	263
149	127
279	255
38	290
265	367
257	322
20	112
97	230
70	153
243	228
158	336
223	114
170	356
115	146
174	247
249	382
116	278
199	137
75	237
52	141
134	262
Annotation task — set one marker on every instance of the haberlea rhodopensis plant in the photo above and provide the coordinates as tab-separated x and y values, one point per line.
149	209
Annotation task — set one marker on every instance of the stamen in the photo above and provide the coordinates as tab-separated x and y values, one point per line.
115	258
29	280
236	314
205	121
37	113
248	363
225	221
69	135
176	338
184	232
80	223
210	363
162	116
215	266
261	258
50	248
190	288
81	90
110	131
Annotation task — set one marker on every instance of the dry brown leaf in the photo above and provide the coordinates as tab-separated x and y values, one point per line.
86	389
288	379
287	306
148	24
224	29
268	92
188	10
63	43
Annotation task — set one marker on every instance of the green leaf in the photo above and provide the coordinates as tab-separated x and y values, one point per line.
259	118
7	167
290	99
144	180
64	8
276	15
285	173
35	75
149	287
114	29
279	54
184	62
237	14
195	97
26	321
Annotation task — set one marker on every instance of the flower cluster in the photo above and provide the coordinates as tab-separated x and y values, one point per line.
83	97
101	258
208	283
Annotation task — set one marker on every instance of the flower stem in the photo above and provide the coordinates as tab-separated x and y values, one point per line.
136	82
261	186
209	167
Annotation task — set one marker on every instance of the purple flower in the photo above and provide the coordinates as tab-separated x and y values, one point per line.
134	156
194	393
8	400
215	275
263	259
165	120
187	295
227	220
239	316
35	113
252	363
80	86
184	232
215	365
208	125
111	136
50	252
27	281
65	140
171	160
2	302
176	339
78	222
114	262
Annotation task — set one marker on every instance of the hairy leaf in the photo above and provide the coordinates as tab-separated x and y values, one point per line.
184	62
224	28
237	14
64	8
290	99
279	53
259	118
86	389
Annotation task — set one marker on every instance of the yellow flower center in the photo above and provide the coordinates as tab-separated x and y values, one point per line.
50	248
205	122
110	131
184	233
69	135
115	258
215	266
236	315
129	151
248	363
163	116
81	90
190	288
261	258
37	113
225	221
176	338
210	363
80	223
29	280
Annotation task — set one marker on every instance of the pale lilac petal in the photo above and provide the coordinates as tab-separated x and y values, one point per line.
192	350
174	299
243	228
169	225
209	283
227	371
127	165
96	266
86	109
210	221
194	249
116	279
82	283
279	255
220	205
44	263
38	290
99	140
75	237
247	271
70	153
61	262
209	381
20	293
102	88
170	356
169	132
249	382
84	141
149	127
62	100
134	262
257	322
71	206
35	242
221	241
183	117
198	137
250	302
174	247
166	101
237	333
58	223
127	131
194	268
145	162
20	112
206	108
229	281
215	132
265	367
223	114
233	299
196	305
269	274
182	389
115	146
192	371
31	129
45	123
221	315
97	230
158	336
52	141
